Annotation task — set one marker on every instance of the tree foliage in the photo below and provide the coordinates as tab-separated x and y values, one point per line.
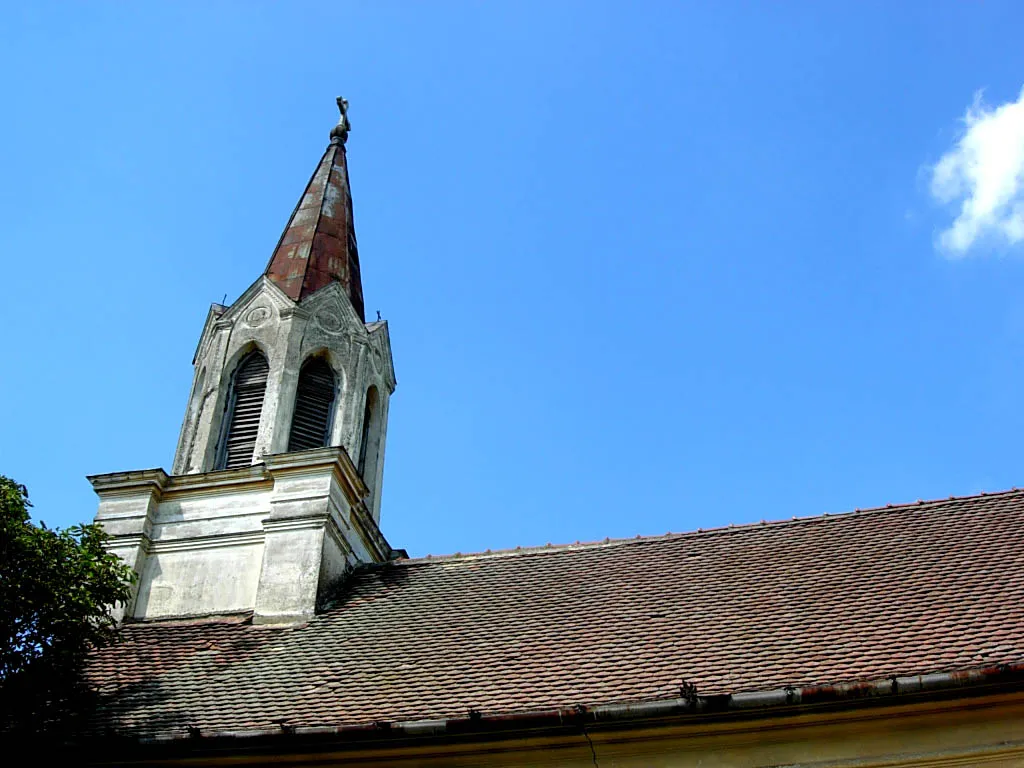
56	590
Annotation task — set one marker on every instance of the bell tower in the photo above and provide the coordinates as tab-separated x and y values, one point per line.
276	483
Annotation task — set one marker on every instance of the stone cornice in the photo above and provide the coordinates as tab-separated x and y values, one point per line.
126	483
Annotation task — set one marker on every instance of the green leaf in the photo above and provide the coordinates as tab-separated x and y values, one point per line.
56	591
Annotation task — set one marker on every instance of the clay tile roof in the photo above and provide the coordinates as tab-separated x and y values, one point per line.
318	245
907	590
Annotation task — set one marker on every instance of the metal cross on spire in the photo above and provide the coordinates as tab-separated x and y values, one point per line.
340	131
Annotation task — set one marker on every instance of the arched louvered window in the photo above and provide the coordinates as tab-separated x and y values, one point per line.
313	400
368	435
243	412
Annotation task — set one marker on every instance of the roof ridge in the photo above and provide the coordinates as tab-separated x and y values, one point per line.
717	530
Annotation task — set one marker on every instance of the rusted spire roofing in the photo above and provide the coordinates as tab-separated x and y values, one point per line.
319	244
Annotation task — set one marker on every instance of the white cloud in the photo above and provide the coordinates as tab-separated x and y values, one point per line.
983	176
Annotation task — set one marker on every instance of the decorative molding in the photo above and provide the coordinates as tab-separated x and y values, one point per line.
257	316
328	321
130	541
207	542
271	525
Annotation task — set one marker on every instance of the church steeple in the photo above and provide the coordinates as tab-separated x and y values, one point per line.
318	245
275	491
292	364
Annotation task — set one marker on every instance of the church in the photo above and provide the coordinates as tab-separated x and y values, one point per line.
273	623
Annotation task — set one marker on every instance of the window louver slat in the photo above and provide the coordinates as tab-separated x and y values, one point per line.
250	385
313	400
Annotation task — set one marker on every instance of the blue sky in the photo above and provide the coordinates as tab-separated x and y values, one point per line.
647	267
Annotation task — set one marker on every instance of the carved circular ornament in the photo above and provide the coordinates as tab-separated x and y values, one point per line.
378	360
328	321
257	316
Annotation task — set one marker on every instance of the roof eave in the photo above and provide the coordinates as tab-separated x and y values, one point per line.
783	702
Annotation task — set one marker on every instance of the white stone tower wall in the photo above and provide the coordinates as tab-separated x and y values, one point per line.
288	334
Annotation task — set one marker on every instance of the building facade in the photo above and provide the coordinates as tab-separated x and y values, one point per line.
272	622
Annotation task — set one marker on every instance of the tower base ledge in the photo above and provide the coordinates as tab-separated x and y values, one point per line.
273	538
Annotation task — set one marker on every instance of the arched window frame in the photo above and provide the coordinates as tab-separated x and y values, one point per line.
195	412
316	395
369	434
230	427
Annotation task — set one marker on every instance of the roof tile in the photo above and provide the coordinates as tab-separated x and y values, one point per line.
932	587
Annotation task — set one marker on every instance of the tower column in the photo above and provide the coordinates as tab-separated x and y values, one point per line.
128	506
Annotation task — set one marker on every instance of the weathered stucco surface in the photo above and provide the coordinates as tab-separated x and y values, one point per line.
271	538
274	537
323	324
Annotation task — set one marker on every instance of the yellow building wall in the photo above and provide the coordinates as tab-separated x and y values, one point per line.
985	732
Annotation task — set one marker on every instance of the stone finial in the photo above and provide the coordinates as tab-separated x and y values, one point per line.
339	133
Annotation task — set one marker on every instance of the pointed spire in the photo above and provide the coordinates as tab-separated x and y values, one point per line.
318	246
